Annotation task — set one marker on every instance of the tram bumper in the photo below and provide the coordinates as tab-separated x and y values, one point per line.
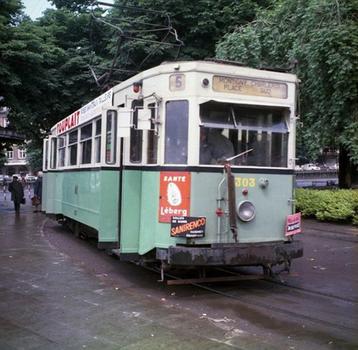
232	254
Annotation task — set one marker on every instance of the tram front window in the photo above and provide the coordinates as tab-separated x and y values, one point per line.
176	132
228	130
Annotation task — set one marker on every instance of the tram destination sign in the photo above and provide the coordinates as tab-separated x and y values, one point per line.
253	87
187	226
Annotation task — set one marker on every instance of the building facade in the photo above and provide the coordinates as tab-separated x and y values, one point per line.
16	162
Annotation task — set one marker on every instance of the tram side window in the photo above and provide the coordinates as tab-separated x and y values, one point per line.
53	155
61	150
97	140
72	147
111	137
86	144
152	150
176	132
136	136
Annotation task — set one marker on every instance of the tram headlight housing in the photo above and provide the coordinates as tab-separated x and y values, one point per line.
246	211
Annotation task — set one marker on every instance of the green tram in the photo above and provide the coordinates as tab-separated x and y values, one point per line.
187	163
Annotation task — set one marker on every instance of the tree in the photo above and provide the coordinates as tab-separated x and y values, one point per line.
44	64
77	6
145	34
44	73
323	37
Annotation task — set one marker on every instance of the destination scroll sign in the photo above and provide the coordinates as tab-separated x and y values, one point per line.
253	87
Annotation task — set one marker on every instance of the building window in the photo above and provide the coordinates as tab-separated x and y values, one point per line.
22	154
86	144
10	154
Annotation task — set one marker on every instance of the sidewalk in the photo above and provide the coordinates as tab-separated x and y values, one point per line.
47	302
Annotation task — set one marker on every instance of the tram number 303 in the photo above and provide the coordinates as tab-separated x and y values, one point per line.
245	182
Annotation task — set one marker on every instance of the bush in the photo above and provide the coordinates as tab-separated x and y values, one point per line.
328	205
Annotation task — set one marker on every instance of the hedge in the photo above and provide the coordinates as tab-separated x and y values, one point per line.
328	205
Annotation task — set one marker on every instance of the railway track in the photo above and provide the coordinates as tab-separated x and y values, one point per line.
242	298
310	291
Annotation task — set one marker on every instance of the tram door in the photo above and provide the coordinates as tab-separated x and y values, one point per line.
138	177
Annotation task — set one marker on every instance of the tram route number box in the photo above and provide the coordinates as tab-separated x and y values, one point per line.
187	226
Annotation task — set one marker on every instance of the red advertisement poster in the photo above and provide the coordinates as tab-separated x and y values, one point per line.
174	197
293	224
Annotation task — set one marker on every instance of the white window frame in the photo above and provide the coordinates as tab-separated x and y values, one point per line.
95	138
80	144
21	154
10	154
64	147
68	154
45	154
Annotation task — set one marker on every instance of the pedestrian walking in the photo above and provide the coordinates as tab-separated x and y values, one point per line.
17	193
37	191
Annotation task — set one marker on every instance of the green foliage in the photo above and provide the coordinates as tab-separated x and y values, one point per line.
328	205
44	73
199	24
27	75
322	35
79	5
44	64
10	11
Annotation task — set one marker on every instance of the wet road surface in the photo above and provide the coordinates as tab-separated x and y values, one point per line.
58	289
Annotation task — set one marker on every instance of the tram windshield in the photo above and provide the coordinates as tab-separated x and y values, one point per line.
230	129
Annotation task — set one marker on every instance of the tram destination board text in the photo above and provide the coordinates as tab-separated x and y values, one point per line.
253	87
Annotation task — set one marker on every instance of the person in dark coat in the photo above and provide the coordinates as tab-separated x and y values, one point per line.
17	193
38	191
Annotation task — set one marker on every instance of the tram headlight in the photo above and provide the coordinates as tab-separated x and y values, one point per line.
246	211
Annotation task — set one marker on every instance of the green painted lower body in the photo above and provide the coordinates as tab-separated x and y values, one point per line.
87	197
141	230
97	199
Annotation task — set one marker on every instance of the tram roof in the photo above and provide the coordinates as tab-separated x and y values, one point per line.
213	67
209	67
